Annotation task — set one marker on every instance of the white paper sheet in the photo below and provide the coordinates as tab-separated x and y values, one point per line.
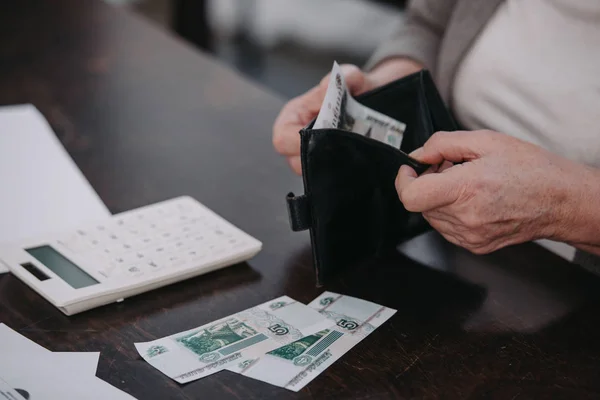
18	352
27	367
43	191
40	383
85	363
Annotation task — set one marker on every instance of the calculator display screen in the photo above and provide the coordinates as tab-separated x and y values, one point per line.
61	266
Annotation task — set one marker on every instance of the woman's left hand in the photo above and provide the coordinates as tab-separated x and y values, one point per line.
504	191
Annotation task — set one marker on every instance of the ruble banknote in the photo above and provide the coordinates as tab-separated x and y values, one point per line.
294	365
227	342
341	111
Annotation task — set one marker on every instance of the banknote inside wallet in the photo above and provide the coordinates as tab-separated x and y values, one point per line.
350	204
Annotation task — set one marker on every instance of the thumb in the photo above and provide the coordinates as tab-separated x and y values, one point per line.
426	192
457	146
355	79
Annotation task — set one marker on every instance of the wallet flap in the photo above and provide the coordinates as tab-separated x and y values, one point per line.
299	212
358	212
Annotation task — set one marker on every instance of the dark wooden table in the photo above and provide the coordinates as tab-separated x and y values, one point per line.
147	118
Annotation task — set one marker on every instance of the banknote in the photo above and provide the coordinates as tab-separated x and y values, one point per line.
294	365
340	110
202	351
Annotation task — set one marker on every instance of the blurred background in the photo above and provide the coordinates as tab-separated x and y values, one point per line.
286	45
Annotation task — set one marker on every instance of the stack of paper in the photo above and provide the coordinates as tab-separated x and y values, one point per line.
29	371
281	342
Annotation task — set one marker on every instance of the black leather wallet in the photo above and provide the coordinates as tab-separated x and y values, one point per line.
350	204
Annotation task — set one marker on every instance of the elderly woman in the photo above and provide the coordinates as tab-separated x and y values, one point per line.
524	78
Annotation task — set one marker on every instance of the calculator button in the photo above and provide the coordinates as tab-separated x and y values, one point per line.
174	261
133	270
183	218
99	256
194	253
127	246
112	249
113	236
153	226
135	230
105	272
166	235
157	252
180	244
153	265
196	256
119	262
109	270
145	241
127	260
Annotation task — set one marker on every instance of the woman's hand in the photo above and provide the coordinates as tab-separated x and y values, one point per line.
298	112
504	191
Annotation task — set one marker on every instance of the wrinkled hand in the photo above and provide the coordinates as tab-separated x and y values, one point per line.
505	192
299	111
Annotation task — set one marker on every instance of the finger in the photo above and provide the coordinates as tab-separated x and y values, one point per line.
406	175
445	166
286	139
427	192
434	169
296	164
457	146
298	112
354	77
294	116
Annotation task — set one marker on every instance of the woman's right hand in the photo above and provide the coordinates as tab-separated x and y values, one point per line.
298	112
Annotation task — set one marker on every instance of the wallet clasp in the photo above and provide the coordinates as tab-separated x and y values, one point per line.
299	212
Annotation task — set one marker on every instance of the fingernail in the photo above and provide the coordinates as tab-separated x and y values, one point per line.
416	153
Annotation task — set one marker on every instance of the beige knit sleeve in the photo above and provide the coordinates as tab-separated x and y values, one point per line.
419	34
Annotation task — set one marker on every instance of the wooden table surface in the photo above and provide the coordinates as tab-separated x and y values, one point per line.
147	118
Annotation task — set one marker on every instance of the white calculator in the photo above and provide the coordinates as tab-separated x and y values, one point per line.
129	253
